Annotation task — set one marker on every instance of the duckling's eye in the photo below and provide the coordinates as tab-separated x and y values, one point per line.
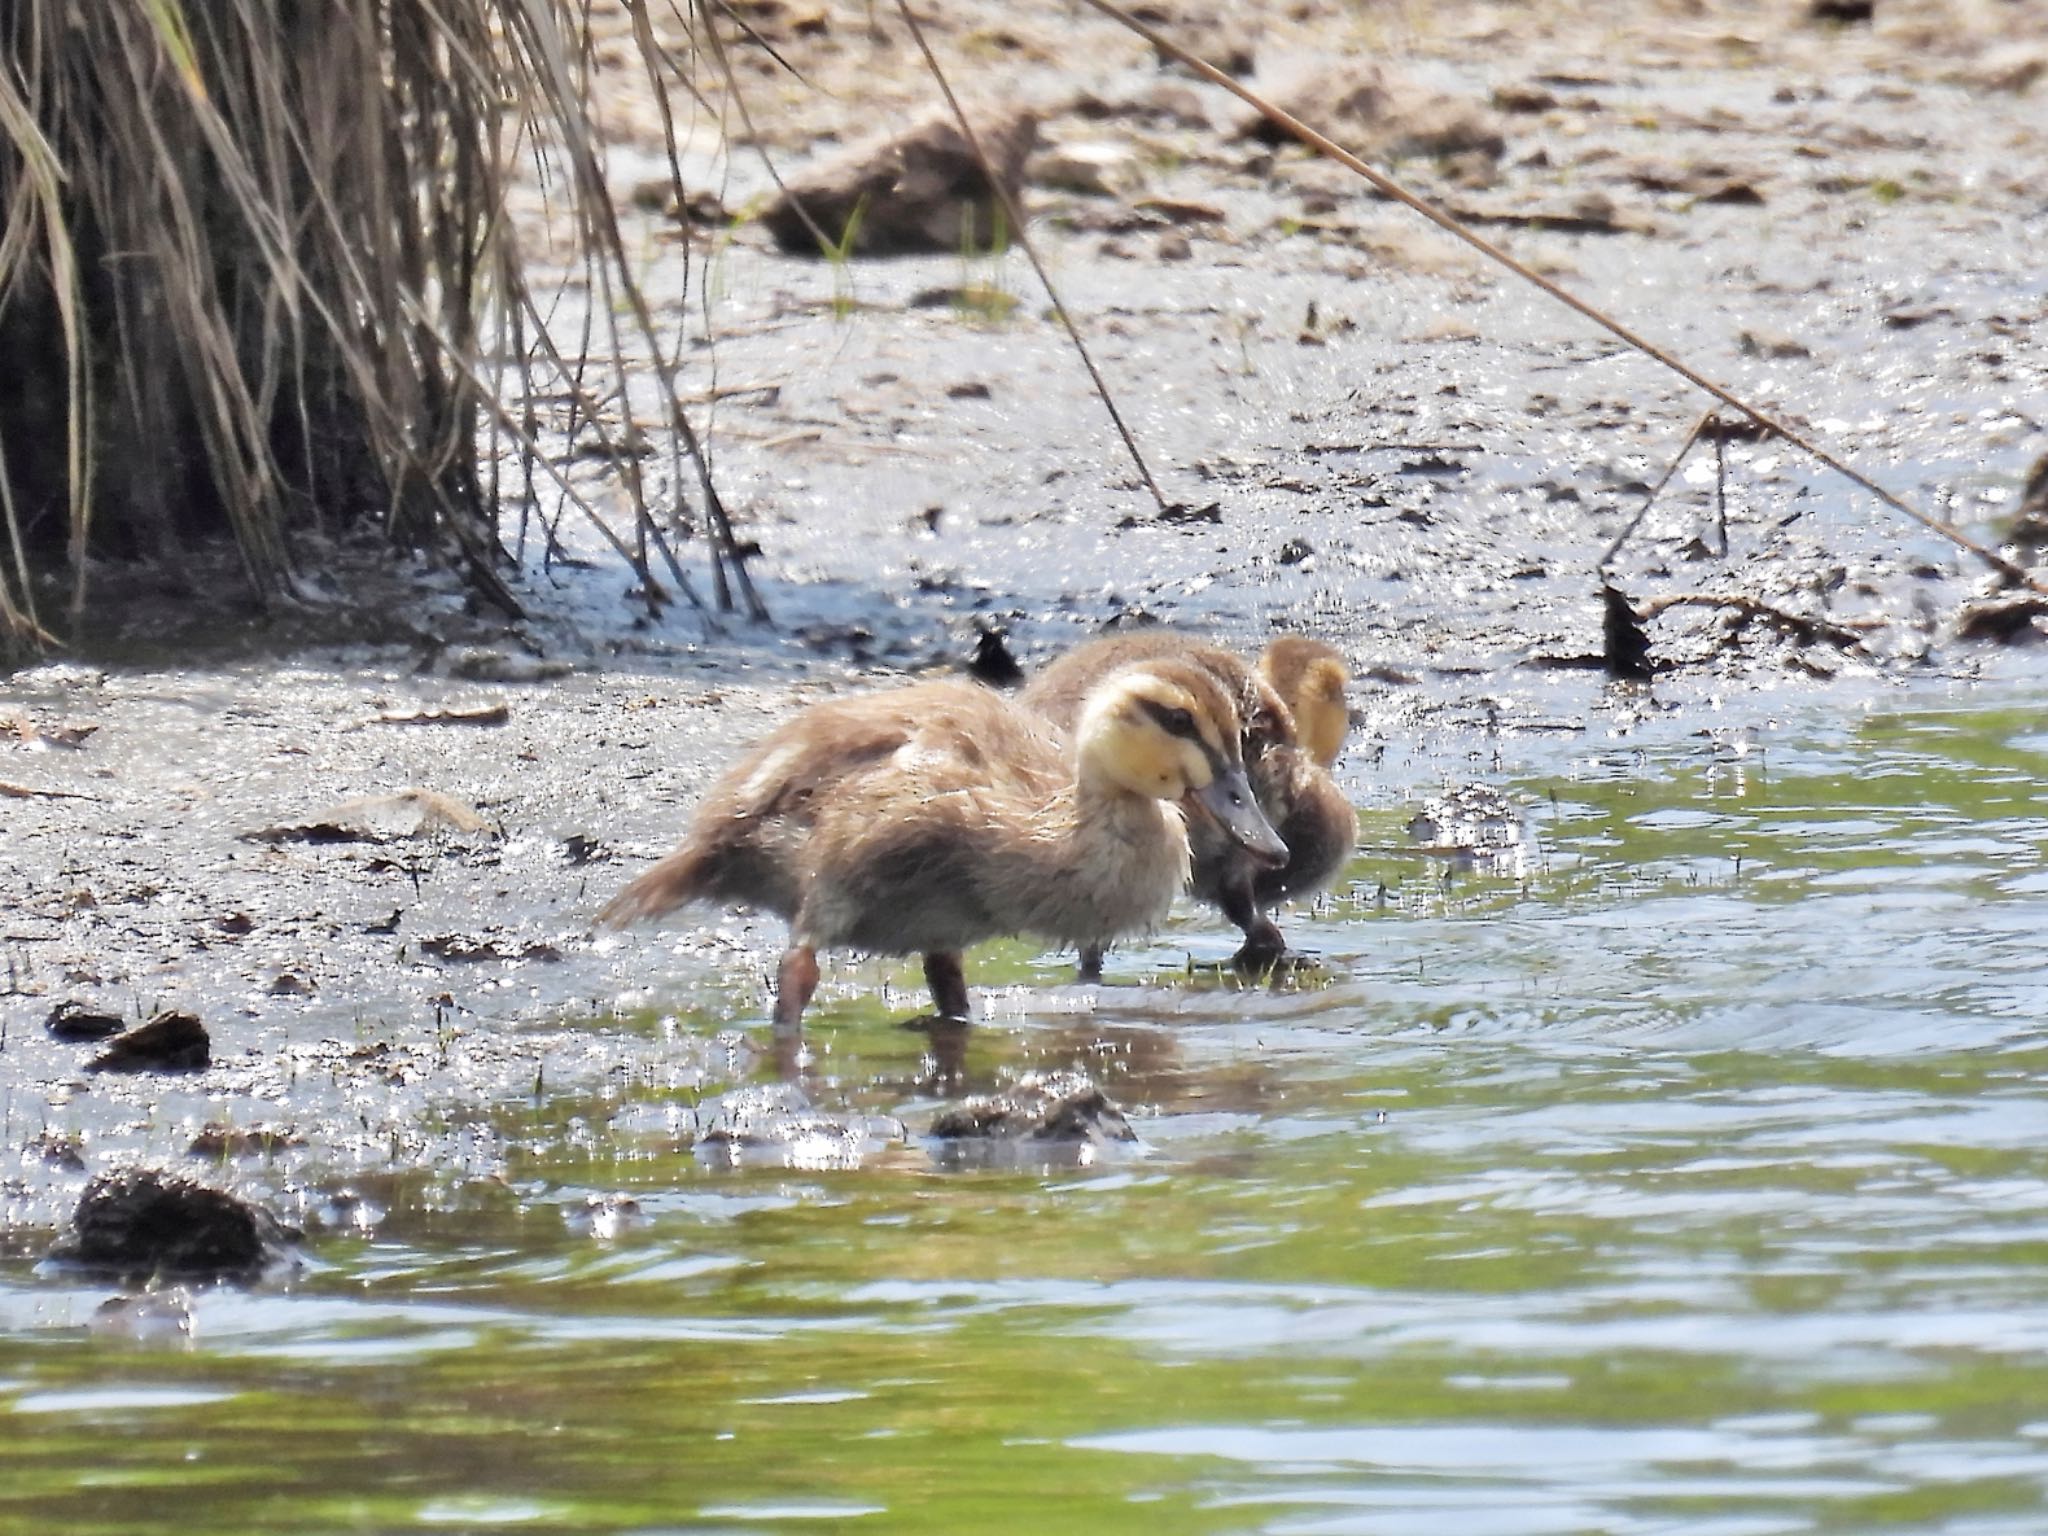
1178	721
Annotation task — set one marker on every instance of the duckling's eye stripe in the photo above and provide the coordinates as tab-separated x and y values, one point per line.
1178	722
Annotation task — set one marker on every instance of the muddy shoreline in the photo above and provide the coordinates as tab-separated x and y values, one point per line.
1405	452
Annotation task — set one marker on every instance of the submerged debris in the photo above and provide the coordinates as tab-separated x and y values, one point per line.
152	1317
148	1223
778	1127
173	1041
1473	823
220	1142
1051	1106
604	1217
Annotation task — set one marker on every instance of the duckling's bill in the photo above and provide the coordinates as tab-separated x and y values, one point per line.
1228	801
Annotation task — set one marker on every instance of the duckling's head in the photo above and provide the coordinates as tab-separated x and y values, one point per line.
1311	676
1167	729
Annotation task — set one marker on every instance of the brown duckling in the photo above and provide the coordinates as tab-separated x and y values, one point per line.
924	819
1295	716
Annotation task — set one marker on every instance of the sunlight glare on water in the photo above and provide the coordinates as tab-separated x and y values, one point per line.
1684	1172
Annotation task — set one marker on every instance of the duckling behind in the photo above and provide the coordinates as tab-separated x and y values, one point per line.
1295	716
928	818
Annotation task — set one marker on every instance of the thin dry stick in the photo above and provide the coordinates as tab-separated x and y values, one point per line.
1756	608
1388	187
1016	217
1656	490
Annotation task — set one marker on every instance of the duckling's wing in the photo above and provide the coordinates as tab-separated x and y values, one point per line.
903	855
748	842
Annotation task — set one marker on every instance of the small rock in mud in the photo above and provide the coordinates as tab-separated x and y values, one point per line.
1525	97
993	662
487	664
1092	170
2008	620
921	191
374	818
1625	641
778	1127
2014	67
149	1223
1052	1106
1373	112
62	1150
173	1041
2030	521
73	1020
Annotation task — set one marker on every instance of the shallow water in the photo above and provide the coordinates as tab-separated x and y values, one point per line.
1678	1165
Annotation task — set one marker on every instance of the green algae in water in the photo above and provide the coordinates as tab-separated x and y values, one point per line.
1683	1171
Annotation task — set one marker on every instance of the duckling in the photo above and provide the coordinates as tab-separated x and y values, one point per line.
924	819
1295	718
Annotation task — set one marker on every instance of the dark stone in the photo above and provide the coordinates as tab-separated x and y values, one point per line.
1626	646
170	1042
921	191
992	662
73	1020
149	1223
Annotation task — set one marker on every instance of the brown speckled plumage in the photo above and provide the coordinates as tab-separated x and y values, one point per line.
928	818
1298	682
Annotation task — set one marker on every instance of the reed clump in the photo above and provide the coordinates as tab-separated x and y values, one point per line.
257	279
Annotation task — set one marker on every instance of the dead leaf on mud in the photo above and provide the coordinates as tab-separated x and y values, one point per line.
30	792
464	714
376	818
70	734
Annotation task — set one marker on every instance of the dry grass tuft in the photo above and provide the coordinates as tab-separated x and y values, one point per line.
257	277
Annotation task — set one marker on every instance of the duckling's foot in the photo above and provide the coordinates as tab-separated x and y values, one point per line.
1262	963
1265	947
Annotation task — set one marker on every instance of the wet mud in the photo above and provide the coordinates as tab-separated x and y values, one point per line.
367	869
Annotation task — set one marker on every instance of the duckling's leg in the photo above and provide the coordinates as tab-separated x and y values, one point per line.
795	981
942	973
1090	968
1264	945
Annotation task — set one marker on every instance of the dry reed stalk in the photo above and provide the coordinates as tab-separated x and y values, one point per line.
258	276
